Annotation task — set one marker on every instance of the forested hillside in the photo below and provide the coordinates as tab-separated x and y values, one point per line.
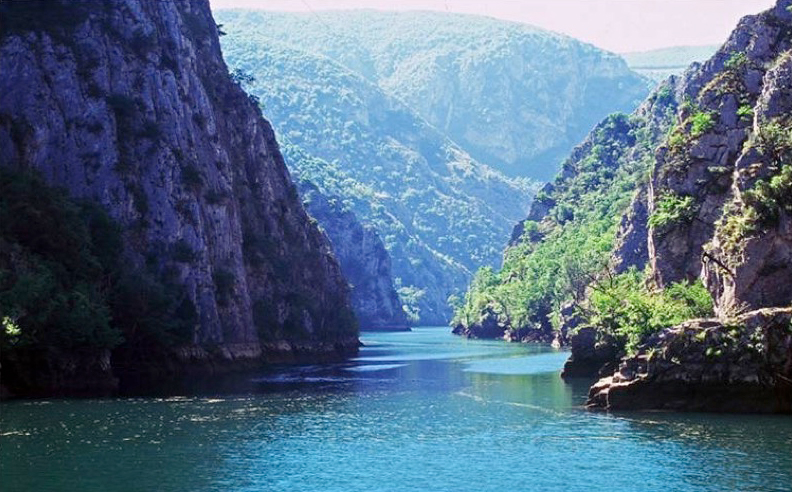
515	97
572	229
440	213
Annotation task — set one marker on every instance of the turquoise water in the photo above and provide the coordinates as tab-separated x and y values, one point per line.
419	411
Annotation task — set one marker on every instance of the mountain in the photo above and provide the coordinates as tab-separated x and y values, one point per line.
661	63
439	212
129	106
513	96
364	261
684	303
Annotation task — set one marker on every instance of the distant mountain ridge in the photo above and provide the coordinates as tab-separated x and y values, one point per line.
513	96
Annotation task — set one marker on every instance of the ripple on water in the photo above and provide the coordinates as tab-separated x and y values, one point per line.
374	368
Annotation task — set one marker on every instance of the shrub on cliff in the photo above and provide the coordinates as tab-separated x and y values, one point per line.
63	284
624	306
52	268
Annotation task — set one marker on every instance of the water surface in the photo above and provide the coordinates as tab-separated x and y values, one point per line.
418	411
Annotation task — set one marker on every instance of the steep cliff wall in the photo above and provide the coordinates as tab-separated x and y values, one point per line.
128	103
720	210
716	153
364	261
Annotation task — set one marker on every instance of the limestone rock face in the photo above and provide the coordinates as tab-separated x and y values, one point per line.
592	352
713	158
744	365
631	241
487	327
756	271
364	262
130	104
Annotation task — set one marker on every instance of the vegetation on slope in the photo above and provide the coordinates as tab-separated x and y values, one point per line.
558	256
564	255
440	213
64	284
515	97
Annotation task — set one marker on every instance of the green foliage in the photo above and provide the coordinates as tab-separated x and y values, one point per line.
539	275
151	311
737	61
411	297
700	123
623	306
672	209
745	111
64	283
774	140
52	268
242	77
770	197
664	96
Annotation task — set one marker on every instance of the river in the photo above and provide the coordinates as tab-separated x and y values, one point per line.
417	411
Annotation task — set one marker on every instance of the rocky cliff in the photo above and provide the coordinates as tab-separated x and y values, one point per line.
719	150
129	104
719	210
364	261
740	365
706	234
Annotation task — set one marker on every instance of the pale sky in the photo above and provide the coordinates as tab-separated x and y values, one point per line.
616	25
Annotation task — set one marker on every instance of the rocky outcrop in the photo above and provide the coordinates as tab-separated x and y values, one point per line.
364	261
631	250
742	365
707	159
720	210
752	268
489	327
130	105
593	354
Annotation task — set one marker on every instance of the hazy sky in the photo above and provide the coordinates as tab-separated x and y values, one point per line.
616	25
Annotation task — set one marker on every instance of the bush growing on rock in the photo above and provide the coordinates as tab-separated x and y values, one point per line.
624	306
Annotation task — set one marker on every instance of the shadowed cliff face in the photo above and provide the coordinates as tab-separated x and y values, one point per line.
128	103
364	261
